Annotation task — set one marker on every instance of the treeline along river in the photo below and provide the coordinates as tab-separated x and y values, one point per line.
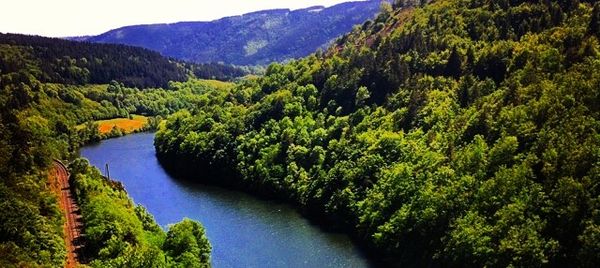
244	231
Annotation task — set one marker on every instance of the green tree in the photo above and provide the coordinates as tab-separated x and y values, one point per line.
187	244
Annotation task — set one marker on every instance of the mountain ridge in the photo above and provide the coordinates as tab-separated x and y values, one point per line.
254	38
71	62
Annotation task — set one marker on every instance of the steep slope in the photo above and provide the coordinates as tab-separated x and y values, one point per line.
70	62
459	134
39	123
255	38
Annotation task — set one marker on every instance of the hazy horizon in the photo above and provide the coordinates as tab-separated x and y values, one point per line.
63	18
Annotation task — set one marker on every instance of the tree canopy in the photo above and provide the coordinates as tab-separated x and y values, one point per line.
55	60
40	122
457	133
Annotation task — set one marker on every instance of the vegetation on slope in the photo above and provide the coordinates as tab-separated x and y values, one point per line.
38	124
461	133
256	38
55	60
120	234
220	71
30	222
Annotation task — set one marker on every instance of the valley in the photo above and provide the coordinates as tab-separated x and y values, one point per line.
267	233
447	133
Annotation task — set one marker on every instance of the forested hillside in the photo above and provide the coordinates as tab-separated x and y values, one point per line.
121	234
257	38
460	133
70	62
38	123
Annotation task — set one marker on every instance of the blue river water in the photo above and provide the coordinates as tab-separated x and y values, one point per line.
244	231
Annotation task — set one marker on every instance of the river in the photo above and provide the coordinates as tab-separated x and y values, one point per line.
244	231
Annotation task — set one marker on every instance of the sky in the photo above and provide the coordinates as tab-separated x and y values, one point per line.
61	18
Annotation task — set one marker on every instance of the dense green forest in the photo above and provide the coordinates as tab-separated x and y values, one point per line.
70	62
120	234
457	133
219	71
38	123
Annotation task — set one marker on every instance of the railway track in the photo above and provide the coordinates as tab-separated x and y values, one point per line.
73	223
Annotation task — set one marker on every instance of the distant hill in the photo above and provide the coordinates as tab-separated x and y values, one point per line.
254	38
69	62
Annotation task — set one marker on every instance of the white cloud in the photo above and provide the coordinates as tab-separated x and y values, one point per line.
87	17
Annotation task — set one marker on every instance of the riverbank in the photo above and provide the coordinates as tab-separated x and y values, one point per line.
244	230
193	172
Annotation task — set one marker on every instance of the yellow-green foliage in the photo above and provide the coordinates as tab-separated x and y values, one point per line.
462	133
37	124
216	84
120	234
